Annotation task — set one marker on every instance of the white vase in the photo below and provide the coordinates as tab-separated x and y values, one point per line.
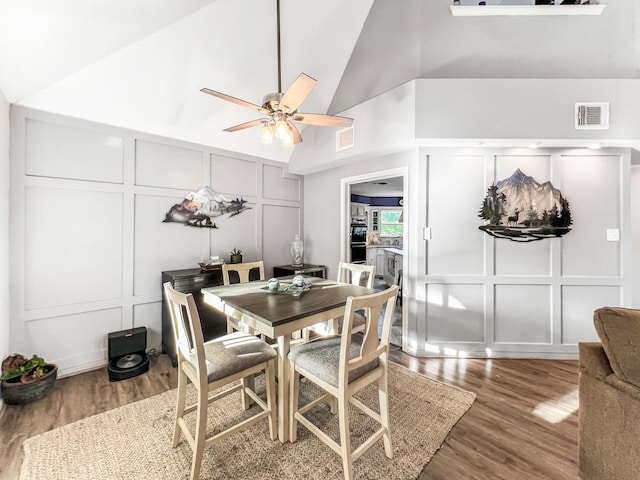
296	250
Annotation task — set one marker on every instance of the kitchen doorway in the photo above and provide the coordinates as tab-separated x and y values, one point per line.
376	203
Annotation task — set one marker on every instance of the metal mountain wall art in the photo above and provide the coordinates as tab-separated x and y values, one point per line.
521	209
200	208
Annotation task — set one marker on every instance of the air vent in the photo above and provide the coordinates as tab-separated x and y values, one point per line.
592	116
344	139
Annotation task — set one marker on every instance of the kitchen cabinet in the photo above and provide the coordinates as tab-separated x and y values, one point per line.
392	265
358	210
375	257
372	253
375	221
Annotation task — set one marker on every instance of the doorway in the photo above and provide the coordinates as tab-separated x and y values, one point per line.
378	202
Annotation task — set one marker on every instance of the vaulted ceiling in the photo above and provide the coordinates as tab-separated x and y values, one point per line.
140	64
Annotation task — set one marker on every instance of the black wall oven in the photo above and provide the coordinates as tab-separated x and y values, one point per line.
358	239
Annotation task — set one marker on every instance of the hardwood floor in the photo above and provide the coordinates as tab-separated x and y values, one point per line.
500	438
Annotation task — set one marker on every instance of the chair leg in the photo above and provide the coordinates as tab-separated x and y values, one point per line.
294	390
384	414
230	326
345	437
182	392
333	405
200	435
247	382
270	380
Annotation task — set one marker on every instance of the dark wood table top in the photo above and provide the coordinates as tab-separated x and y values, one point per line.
255	299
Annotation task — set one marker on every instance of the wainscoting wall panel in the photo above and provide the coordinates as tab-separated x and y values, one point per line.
160	246
456	246
149	315
489	296
88	243
73	339
230	174
63	151
578	305
168	166
593	188
240	231
89	259
277	185
278	222
522	314
455	312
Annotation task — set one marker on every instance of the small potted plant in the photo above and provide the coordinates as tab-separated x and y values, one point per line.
26	380
236	256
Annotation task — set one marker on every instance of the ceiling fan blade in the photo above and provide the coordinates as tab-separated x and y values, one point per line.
296	93
242	126
235	100
297	138
322	120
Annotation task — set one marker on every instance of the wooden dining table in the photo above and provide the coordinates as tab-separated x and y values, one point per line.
279	315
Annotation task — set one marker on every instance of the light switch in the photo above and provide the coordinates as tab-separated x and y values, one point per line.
426	233
613	235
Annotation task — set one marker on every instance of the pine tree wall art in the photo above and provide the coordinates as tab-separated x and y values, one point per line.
521	209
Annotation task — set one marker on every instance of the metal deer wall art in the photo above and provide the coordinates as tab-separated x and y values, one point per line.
521	209
200	208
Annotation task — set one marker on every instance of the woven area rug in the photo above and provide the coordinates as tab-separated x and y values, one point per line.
134	441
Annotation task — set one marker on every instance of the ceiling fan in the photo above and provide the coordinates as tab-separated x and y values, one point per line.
281	109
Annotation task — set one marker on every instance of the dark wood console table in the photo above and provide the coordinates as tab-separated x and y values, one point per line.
304	269
192	280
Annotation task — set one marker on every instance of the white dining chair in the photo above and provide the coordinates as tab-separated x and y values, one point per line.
209	366
243	270
342	366
355	274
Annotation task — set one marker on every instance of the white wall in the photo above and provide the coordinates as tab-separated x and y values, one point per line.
467	292
4	227
453	112
443	46
474	292
89	244
323	201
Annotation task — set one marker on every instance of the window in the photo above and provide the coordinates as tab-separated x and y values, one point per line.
391	223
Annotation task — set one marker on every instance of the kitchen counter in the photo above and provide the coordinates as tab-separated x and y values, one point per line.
396	250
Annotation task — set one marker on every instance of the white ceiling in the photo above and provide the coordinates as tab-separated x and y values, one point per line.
386	187
139	64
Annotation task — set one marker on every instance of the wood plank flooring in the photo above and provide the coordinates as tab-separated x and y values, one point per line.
500	438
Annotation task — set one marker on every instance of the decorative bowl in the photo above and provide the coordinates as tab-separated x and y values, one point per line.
211	266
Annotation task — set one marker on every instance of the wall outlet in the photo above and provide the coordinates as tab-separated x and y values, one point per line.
426	233
613	235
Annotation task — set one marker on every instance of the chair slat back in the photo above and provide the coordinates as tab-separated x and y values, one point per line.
242	269
187	329
372	347
356	274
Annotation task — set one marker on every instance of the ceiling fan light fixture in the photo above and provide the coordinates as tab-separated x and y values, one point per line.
282	108
281	127
287	138
267	132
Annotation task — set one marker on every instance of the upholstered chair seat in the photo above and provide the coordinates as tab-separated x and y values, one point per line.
322	359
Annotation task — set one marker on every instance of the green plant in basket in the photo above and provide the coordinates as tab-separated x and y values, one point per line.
17	366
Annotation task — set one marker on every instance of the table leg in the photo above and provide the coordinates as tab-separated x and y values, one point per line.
284	344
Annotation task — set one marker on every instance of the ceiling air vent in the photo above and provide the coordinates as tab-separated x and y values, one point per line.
592	116
344	138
